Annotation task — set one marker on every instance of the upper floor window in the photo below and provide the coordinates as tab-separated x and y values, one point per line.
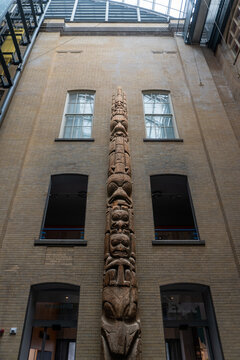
159	119
66	207
172	208
78	115
234	32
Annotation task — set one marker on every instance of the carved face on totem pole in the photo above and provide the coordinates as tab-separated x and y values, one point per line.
119	103
118	126
120	243
120	325
119	187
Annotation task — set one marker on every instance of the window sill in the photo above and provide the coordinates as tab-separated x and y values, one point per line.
60	242
179	242
162	140
69	139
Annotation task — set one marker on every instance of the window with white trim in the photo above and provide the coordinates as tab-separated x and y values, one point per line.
78	115
159	118
234	32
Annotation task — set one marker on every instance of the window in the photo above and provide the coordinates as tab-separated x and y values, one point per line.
50	329
66	207
172	208
190	328
234	32
159	118
78	117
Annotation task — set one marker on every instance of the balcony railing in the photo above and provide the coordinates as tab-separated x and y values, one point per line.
62	233
176	234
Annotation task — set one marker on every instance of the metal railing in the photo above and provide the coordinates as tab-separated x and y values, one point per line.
62	233
176	234
18	30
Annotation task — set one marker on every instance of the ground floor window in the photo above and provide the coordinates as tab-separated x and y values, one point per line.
51	323
190	328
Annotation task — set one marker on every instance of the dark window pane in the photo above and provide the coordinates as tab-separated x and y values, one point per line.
65	215
172	209
183	306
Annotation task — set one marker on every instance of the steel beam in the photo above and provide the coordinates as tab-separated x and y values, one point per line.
41	5
33	13
10	26
5	69
20	8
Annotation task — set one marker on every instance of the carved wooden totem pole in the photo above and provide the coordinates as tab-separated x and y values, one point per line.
120	324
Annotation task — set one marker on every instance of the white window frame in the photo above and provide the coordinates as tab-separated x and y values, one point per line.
171	114
65	113
233	35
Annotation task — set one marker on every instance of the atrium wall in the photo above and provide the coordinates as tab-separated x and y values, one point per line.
29	155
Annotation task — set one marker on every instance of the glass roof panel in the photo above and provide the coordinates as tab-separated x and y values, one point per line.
4	5
132	2
174	8
144	4
96	10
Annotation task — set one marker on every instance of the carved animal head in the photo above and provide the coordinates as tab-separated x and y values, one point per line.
121	340
120	303
120	329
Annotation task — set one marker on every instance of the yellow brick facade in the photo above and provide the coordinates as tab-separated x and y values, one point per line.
29	155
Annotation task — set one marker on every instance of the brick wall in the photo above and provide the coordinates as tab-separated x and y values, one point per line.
29	156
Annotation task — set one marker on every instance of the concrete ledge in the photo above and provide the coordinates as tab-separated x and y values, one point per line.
69	139
60	242
179	242
115	31
162	140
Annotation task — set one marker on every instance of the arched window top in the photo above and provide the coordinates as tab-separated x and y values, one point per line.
69	183
55	286
169	174
156	91
84	91
55	292
184	287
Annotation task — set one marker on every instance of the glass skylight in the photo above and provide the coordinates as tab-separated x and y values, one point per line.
4	5
174	8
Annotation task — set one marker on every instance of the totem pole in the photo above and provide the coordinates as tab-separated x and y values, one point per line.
120	324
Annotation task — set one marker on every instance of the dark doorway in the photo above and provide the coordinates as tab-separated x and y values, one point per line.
190	328
51	323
